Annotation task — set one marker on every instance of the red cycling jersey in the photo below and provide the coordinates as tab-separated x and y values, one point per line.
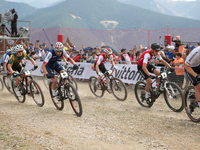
146	57
101	59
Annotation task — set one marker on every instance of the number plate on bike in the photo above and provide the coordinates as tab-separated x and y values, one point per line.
64	74
164	75
27	73
109	72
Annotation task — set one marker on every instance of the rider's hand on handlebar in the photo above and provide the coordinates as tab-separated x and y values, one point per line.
15	74
35	67
198	77
152	77
49	76
171	69
75	67
100	73
23	65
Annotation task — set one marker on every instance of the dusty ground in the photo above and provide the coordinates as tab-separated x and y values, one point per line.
105	124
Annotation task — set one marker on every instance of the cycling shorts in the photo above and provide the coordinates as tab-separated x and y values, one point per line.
18	68
150	68
191	77
102	68
56	66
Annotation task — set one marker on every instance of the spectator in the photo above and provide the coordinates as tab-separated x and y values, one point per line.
186	51
93	57
162	54
125	57
118	58
90	51
14	22
73	54
170	54
139	53
85	54
132	56
179	72
77	57
5	19
37	55
177	41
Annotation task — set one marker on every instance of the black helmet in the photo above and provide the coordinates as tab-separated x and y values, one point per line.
155	46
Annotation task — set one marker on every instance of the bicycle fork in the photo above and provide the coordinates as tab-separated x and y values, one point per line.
168	92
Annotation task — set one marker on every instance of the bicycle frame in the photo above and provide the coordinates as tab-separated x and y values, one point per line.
108	75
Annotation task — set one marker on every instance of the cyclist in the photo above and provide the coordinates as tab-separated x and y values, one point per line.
14	64
50	64
192	67
5	64
99	63
145	68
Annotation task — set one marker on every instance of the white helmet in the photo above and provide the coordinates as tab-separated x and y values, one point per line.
12	49
19	48
108	51
59	47
8	50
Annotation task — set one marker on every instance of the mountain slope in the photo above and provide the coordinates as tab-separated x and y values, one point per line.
104	14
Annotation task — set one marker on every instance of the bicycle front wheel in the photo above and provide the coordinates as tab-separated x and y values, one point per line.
7	85
118	89
1	85
96	89
73	82
57	99
173	97
20	93
36	93
191	106
74	99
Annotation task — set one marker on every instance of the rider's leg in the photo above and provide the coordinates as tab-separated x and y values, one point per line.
54	84
197	93
17	81
157	72
148	80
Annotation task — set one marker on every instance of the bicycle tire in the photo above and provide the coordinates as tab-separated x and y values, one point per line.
175	103
6	84
98	92
73	98
190	104
140	93
46	81
36	92
1	85
73	81
117	85
60	104
21	98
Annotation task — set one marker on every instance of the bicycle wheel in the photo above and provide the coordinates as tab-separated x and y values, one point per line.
118	89
36	93
22	91
174	97
74	99
1	85
60	104
140	94
46	81
7	85
73	82
191	106
96	89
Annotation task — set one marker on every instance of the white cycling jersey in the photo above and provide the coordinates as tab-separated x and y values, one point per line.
193	59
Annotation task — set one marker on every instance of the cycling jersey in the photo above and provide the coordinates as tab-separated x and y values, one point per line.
147	56
14	60
101	59
193	59
52	58
8	54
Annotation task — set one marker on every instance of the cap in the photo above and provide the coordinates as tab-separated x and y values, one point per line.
165	41
45	49
73	49
192	47
187	46
37	50
30	47
91	49
85	49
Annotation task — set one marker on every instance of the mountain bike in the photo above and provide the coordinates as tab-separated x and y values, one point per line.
46	81
116	85
66	91
35	89
172	93
191	105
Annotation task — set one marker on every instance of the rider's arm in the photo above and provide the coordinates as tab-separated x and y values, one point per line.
5	63
32	61
46	60
97	67
190	70
165	63
144	68
10	68
72	61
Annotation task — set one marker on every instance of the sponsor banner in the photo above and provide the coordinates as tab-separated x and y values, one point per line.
127	73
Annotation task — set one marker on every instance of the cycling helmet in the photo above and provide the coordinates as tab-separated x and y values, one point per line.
8	50
108	51
19	48
155	46
12	49
59	47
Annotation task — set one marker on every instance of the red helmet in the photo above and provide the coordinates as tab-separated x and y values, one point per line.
108	51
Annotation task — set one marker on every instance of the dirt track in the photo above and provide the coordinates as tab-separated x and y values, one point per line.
105	124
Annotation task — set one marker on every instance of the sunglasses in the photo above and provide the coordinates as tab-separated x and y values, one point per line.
157	50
